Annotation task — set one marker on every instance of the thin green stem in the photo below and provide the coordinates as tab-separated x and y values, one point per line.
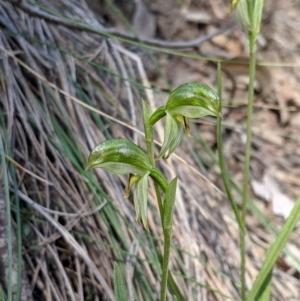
149	137
159	178
165	269
170	196
224	174
252	64
159	182
157	115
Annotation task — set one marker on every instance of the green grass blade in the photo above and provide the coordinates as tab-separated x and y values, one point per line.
119	287
265	291
174	289
8	221
19	232
2	298
250	203
275	250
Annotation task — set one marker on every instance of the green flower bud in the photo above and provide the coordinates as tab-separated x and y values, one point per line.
119	156
193	100
140	197
242	14
190	100
173	135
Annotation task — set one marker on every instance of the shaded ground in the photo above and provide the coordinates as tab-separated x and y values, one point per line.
72	228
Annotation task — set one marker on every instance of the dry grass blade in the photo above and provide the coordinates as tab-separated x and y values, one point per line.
62	92
133	128
73	244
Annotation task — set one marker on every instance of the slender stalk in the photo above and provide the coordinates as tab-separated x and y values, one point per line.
149	136
247	165
221	157
167	248
157	115
252	65
159	178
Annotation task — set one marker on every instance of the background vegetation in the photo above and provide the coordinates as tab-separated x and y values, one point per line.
69	78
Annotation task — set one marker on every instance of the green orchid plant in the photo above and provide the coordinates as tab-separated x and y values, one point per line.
121	156
191	100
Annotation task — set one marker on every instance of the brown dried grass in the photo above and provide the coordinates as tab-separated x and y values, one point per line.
78	222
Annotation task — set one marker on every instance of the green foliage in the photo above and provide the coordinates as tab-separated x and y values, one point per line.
275	250
264	292
169	204
2	298
242	14
119	286
257	15
141	199
193	100
121	156
4	180
190	100
249	14
173	136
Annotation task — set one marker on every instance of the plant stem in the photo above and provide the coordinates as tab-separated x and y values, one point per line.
159	182
165	269
158	114
159	178
149	137
252	64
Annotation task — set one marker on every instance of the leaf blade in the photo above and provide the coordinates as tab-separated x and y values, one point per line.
119	287
275	249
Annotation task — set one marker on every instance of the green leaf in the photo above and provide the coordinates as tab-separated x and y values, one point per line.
146	110
149	132
265	291
119	287
119	156
275	250
242	14
169	204
140	197
172	137
2	298
191	111
257	14
193	100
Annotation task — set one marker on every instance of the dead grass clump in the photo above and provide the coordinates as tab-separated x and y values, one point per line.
63	90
